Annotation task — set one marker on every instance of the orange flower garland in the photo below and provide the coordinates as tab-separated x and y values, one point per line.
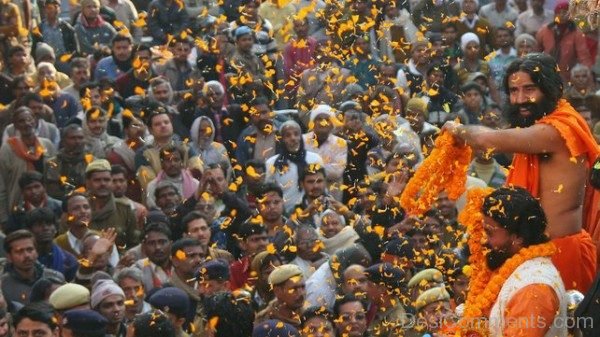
484	286
444	169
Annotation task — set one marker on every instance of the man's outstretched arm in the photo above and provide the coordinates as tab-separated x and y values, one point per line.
539	138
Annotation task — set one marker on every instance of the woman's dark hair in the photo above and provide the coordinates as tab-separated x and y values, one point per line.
235	314
543	71
153	323
516	210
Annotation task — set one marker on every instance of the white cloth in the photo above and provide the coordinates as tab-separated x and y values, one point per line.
334	152
534	271
288	180
320	288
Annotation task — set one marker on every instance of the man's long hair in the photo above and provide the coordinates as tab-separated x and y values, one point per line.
544	73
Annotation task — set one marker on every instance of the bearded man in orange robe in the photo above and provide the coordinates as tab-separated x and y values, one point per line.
554	151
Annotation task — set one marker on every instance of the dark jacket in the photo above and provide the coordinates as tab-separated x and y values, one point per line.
164	18
16	289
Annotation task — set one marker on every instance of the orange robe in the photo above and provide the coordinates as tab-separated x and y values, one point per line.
534	302
576	257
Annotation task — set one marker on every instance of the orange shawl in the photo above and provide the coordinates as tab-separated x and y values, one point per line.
578	138
23	152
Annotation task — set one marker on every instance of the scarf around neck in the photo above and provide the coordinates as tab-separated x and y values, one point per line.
24	153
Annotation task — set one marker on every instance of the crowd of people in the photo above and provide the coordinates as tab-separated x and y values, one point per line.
235	168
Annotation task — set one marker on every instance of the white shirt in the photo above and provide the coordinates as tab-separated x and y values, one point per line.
334	152
288	180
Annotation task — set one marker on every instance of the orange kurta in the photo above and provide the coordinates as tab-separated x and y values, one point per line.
575	251
536	302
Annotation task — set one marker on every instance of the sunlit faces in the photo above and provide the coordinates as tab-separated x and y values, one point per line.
161	126
355	281
331	224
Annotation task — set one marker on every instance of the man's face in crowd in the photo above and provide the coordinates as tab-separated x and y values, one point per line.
22	254
136	130
206	206
362	47
436	314
446	206
181	52
162	93
194	256
537	5
314	185
37	108
157	247
172	164
352	120
527	101
524	48
245	42
168	199
331	225
19	59
449	35
472	50
352	320
469	6
161	126
421	55
4	327
301	29
142	61
28	327
134	294
254	244
271	206
308	245
581	79
291	139
291	293
473	100
52	11
355	281
322	125
80	76
91	11
99	184
25	122
44	231
93	95
199	230
503	39
73	142
119	185
215	98
79	210
122	50
113	309
218	182
97	125
262	118
34	193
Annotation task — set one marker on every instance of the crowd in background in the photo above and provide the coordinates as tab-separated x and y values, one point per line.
232	168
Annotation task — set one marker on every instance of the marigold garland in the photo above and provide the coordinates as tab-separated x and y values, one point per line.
444	169
484	286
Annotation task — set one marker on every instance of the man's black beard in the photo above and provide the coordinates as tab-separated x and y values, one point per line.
495	258
538	110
